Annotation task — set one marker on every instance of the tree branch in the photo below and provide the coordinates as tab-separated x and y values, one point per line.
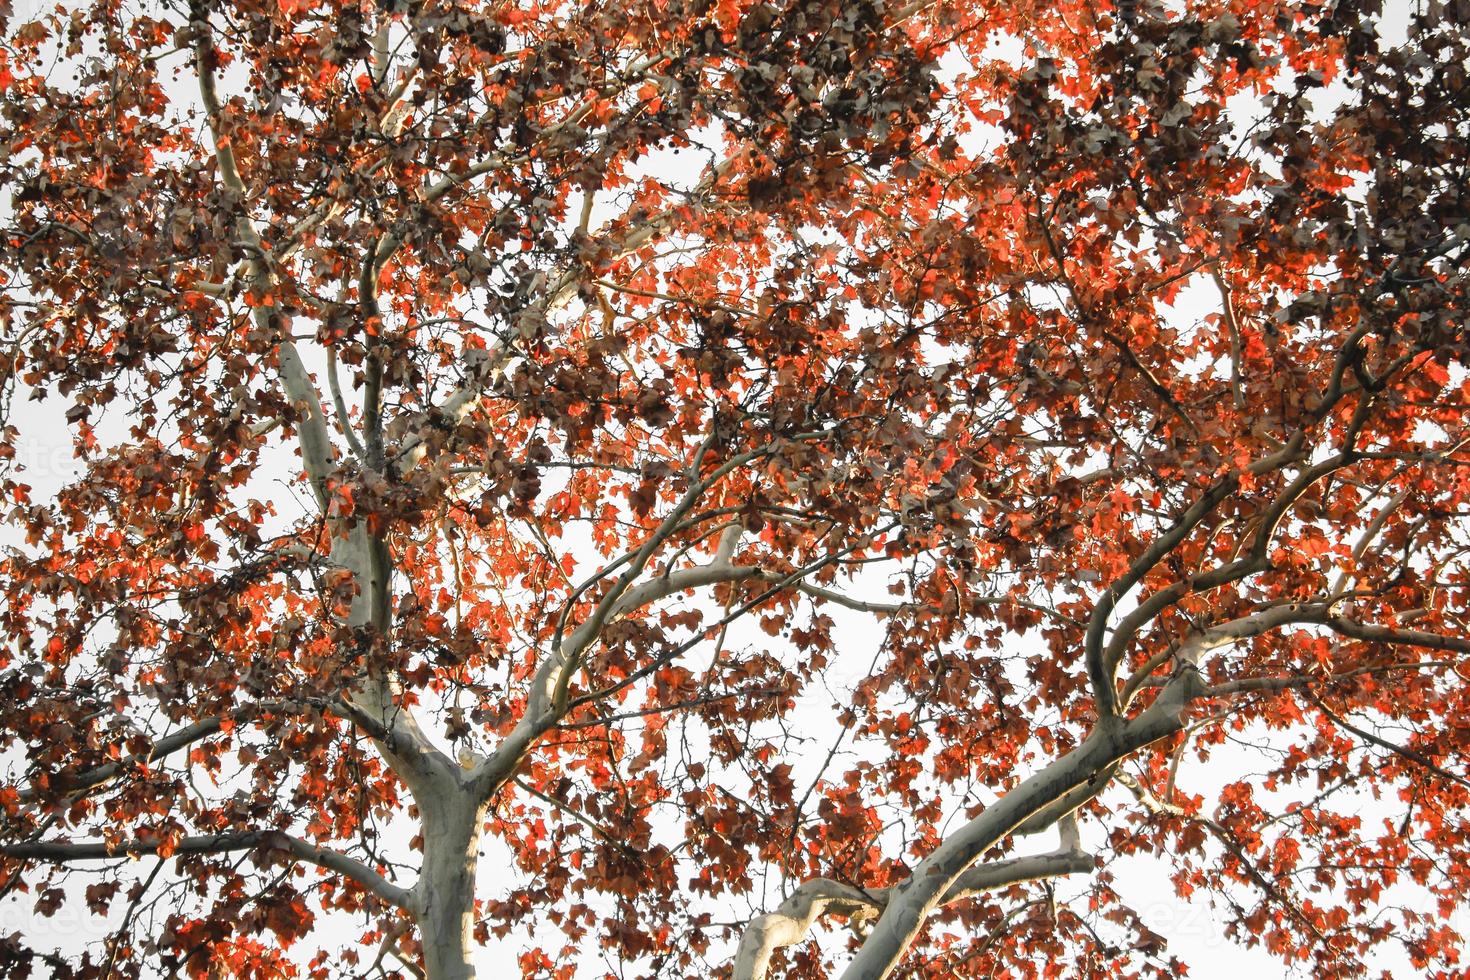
796	916
1403	751
914	898
67	852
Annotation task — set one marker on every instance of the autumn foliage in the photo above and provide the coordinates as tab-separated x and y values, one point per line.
743	467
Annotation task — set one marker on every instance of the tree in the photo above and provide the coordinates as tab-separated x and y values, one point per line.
455	388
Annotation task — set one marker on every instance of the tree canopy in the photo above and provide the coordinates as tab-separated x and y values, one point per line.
747	466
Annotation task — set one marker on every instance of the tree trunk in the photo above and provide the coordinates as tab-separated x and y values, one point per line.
446	890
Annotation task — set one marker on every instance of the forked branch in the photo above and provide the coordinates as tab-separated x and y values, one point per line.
794	918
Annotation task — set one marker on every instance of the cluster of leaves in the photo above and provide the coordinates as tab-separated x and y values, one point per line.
1011	308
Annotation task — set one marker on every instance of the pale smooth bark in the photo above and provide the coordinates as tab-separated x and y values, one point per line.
796	916
443	901
912	900
1065	783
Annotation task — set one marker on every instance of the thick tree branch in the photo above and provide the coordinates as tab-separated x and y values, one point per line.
1098	669
917	896
410	752
795	917
317	452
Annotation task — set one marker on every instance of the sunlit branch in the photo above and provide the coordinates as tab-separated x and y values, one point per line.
794	918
